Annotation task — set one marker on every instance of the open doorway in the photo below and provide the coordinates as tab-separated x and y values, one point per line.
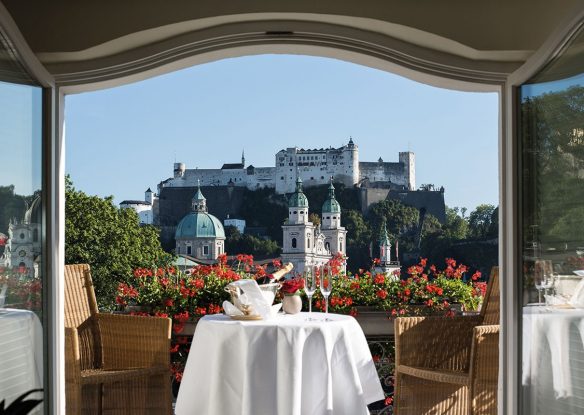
409	161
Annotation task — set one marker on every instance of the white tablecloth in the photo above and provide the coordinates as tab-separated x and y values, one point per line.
283	366
21	358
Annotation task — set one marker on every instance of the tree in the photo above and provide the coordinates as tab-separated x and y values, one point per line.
480	222
314	218
358	239
109	239
236	243
456	226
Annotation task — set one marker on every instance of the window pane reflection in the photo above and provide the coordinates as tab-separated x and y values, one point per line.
552	176
21	235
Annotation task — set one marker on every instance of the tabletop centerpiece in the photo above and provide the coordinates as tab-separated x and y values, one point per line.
291	301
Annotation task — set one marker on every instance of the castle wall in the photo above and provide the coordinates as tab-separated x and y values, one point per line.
314	166
384	172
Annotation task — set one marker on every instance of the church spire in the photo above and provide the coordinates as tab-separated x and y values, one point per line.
384	246
199	203
243	157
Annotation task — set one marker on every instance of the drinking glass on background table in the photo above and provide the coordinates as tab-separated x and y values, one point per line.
543	277
310	274
326	285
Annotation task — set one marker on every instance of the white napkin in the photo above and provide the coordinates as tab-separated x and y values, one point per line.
257	300
231	310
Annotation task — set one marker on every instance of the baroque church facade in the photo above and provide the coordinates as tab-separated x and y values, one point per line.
306	244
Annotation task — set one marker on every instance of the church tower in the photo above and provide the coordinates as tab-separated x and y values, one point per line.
298	238
334	233
386	265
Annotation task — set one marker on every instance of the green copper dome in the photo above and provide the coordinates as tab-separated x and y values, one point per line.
298	198
331	205
199	225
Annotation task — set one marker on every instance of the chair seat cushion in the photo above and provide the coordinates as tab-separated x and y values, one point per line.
436	375
95	376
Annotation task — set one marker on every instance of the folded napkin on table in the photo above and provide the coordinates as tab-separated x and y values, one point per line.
254	296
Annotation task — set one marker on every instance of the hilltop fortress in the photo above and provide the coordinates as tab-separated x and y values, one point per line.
314	167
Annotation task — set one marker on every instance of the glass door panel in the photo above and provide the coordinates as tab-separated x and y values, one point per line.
21	234
552	228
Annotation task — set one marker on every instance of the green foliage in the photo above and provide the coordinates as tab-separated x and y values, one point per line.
553	156
483	222
402	223
109	239
235	242
265	208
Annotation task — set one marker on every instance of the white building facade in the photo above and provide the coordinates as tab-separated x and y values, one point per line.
313	166
304	244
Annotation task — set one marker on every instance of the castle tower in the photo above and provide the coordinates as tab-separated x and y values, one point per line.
149	196
179	170
408	159
352	162
334	233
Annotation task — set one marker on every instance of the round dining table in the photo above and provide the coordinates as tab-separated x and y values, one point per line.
293	364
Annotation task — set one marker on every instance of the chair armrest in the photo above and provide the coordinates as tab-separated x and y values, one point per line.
485	354
72	355
72	371
434	342
134	341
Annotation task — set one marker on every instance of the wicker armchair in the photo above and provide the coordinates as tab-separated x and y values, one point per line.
449	365
114	364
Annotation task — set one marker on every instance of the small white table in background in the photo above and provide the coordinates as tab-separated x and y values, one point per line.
21	355
285	366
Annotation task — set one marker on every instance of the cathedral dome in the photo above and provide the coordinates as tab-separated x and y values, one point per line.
199	225
298	198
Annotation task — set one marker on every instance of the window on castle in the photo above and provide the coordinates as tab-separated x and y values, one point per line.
281	177
294	243
327	246
328	217
189	250
295	212
205	249
308	243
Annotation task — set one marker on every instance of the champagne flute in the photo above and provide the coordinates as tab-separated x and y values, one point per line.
548	280
326	285
539	279
310	287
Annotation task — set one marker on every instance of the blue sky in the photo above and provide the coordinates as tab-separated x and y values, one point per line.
20	137
123	140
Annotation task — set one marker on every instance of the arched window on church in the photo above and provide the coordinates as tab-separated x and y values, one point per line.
35	235
327	246
293	242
